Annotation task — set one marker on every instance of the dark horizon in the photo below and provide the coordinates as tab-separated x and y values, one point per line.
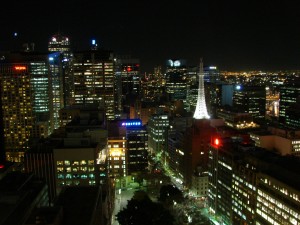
233	36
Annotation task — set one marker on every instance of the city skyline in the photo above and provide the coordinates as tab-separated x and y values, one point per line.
231	35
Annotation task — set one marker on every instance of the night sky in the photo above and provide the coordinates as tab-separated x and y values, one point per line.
233	35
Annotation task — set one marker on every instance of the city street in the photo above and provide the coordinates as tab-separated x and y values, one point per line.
121	201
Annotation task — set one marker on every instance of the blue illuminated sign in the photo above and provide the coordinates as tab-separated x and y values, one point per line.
131	123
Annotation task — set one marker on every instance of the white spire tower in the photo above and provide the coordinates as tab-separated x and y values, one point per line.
201	110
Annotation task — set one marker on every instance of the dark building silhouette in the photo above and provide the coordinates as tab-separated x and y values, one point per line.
20	194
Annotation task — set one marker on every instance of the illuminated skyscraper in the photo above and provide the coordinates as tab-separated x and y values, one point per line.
94	79
176	86
289	97
2	150
127	82
17	110
250	99
60	79
201	110
59	43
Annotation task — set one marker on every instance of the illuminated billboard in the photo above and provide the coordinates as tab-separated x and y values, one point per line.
20	68
131	123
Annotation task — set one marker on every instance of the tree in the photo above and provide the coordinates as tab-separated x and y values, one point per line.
140	210
169	194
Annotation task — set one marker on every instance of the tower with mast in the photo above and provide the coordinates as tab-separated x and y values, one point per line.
201	109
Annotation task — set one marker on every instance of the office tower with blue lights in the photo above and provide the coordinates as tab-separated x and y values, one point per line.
176	74
60	79
94	79
136	136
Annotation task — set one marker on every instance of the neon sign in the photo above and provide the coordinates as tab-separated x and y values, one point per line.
131	123
20	68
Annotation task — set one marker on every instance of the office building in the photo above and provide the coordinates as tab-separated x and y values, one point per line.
38	71
94	80
250	99
157	132
39	161
240	121
117	160
288	98
136	136
128	82
59	43
86	205
17	109
292	120
56	88
211	74
283	141
2	148
249	185
176	74
60	79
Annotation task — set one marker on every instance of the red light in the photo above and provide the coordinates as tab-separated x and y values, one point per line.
1	166
129	69
217	142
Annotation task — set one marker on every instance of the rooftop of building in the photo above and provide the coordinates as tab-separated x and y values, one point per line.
44	215
283	168
17	194
79	204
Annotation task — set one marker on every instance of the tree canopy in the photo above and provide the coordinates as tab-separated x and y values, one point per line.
170	194
141	210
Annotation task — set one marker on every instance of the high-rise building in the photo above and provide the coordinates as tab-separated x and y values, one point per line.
60	79
176	80
288	98
39	161
117	160
94	80
128	82
211	74
250	99
56	88
2	148
157	132
249	185
38	71
59	43
17	109
136	136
